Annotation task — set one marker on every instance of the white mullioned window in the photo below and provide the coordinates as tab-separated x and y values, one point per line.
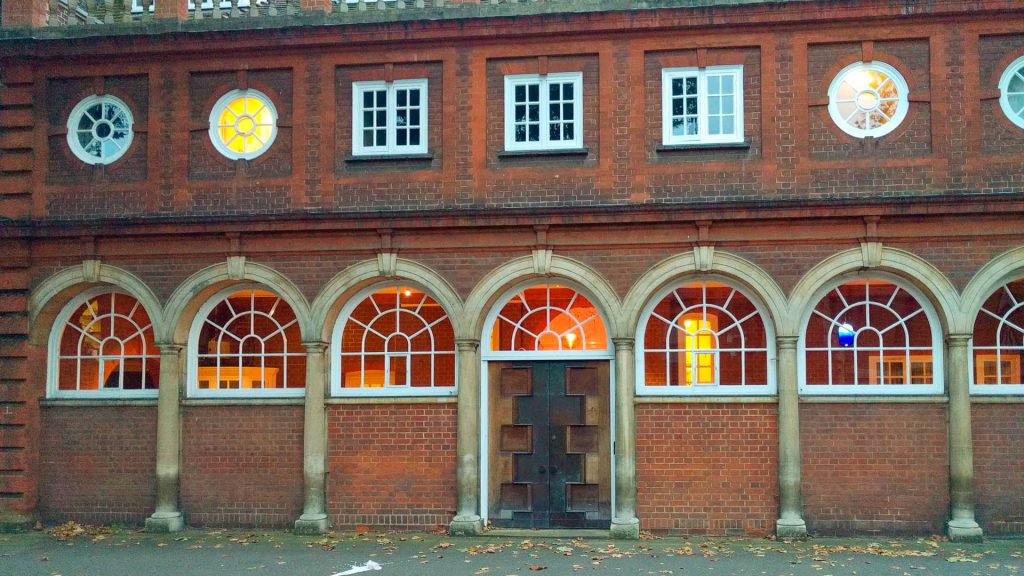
705	338
544	111
100	129
246	343
393	341
103	348
868	99
1011	92
871	336
702	105
243	124
389	117
549	319
998	342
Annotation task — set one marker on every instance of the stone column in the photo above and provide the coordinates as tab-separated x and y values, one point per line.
314	444
467	521
167	517
791	522
962	525
624	522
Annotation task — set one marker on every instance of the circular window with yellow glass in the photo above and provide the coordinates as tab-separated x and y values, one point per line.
243	124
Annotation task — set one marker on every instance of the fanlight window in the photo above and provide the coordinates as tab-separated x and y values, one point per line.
548	318
100	129
999	341
106	348
243	124
871	336
397	339
249	344
704	337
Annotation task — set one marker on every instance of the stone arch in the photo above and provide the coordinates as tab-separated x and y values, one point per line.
348	282
540	266
53	293
685	266
940	292
198	288
1005	267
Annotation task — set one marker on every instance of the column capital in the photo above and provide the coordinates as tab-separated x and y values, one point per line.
958	339
624	343
786	342
315	346
467	344
169	348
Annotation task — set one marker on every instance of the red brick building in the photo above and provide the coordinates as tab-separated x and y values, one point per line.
693	267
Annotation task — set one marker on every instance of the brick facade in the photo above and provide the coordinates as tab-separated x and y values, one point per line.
945	187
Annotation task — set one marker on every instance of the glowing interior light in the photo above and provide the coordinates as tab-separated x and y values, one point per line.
570	339
407	292
846	335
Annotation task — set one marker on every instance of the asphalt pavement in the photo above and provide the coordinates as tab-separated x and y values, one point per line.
73	550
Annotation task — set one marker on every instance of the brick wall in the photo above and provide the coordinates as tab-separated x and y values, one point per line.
241	465
97	464
874	468
998	467
707	468
391	465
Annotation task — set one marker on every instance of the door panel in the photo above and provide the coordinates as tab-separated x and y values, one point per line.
549	449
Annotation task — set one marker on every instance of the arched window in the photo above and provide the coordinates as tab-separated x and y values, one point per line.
247	343
548	319
871	336
704	338
103	347
395	340
999	342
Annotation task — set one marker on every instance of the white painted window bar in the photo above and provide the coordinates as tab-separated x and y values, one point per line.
104	349
998	343
394	341
248	344
704	338
871	336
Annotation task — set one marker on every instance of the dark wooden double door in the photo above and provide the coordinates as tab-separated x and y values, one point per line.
549	445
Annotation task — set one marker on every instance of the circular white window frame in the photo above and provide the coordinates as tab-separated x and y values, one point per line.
218	108
1014	69
902	103
75	118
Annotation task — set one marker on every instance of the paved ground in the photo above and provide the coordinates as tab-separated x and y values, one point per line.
115	552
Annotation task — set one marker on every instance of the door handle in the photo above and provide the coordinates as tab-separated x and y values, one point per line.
542	470
553	470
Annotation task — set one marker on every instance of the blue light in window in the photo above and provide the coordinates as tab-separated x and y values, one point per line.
846	335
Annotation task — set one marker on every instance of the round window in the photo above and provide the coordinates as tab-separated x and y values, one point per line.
100	129
243	124
1011	92
868	99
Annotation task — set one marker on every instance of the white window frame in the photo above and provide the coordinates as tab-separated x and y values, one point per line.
902	101
1016	68
701	74
105	100
996	353
337	390
391	147
53	357
219	107
911	352
512	81
769	388
193	389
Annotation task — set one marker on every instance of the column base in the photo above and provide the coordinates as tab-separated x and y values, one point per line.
790	528
165	522
312	524
964	531
625	529
466	526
